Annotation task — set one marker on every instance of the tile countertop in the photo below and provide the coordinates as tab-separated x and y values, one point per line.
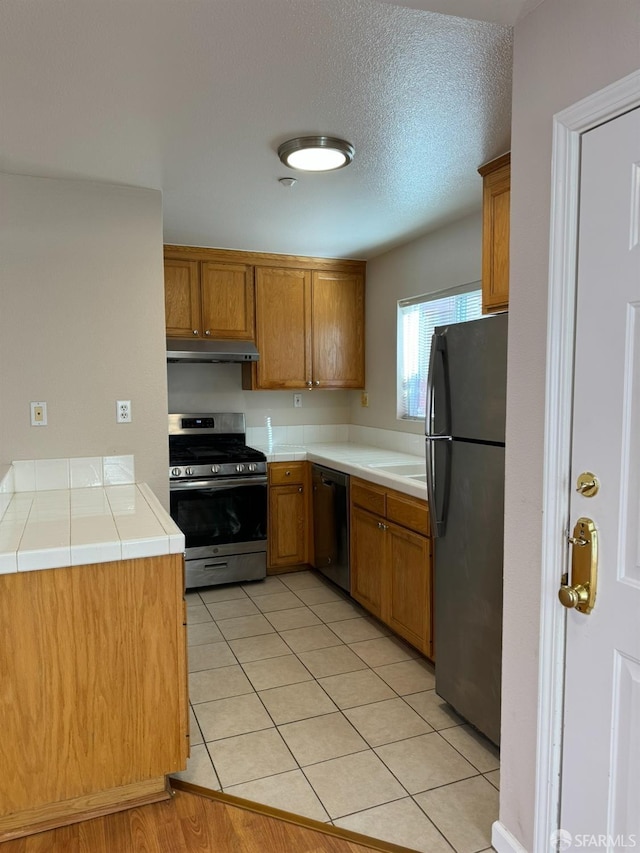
70	527
359	460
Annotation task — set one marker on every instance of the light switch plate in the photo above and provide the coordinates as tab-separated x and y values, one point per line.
38	414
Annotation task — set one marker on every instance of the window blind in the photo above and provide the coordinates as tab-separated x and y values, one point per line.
417	318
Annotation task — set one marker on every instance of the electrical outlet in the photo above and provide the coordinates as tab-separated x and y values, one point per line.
364	398
38	414
123	411
297	401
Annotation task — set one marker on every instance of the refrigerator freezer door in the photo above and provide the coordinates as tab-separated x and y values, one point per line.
473	372
468	587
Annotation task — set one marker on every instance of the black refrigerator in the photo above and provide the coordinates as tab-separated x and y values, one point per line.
465	434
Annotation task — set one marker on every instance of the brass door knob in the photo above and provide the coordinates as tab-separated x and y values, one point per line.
571	596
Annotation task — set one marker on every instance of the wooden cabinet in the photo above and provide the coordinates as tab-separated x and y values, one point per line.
182	298
367	542
496	195
288	535
391	568
337	330
309	329
208	298
283	315
94	703
305	314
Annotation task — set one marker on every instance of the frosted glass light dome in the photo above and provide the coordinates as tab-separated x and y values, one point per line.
316	153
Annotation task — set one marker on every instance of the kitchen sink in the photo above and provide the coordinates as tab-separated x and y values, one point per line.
406	469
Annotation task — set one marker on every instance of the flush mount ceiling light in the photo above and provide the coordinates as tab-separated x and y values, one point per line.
316	153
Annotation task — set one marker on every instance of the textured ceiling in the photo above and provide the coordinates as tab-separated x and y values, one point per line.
193	97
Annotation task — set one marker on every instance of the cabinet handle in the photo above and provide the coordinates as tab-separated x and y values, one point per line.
300	489
287	473
196	332
309	384
208	332
317	382
382	526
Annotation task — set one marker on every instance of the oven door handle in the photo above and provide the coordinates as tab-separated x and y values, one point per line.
214	485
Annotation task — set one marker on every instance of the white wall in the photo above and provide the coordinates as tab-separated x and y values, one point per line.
218	388
564	50
82	322
448	257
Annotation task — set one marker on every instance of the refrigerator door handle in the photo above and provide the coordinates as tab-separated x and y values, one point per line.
438	524
438	348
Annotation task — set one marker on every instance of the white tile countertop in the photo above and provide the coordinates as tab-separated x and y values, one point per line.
393	469
57	527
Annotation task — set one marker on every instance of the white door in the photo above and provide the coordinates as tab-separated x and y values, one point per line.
600	801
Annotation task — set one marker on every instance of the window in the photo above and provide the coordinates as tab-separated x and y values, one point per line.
417	318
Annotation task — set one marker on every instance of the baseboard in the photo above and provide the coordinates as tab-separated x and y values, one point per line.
298	820
503	842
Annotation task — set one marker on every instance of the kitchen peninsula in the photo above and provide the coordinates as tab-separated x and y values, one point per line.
92	643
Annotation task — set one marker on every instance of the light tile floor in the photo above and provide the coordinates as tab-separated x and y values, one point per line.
301	701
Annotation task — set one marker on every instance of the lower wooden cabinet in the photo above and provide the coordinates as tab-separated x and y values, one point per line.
368	565
94	701
409	586
289	516
391	567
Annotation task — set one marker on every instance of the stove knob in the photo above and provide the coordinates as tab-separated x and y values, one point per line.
215	469
240	468
189	471
175	472
252	467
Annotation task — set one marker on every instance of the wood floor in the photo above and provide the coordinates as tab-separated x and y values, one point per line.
185	824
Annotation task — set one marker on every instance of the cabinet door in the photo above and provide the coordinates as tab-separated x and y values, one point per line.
227	301
287	525
181	298
368	560
338	330
283	316
408	601
496	204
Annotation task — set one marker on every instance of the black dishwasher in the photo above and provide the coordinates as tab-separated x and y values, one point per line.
331	524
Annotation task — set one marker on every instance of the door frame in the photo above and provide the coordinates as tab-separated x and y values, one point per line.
568	127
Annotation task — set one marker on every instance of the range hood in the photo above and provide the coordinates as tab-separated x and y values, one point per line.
211	350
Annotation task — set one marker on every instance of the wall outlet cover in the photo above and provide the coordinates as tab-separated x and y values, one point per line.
123	411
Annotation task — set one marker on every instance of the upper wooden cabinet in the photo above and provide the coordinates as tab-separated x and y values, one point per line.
182	298
337	329
208	298
309	329
496	195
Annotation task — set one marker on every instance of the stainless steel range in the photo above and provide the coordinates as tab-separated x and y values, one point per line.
218	494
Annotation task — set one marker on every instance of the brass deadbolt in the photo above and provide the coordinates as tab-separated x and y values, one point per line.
588	484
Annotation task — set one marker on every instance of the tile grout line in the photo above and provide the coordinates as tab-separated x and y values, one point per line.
367	667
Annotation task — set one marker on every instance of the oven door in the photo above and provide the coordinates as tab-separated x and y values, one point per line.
221	516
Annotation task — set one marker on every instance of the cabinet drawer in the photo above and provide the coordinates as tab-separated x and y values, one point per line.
283	473
368	496
409	512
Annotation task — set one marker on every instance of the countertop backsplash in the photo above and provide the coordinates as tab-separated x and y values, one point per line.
271	437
